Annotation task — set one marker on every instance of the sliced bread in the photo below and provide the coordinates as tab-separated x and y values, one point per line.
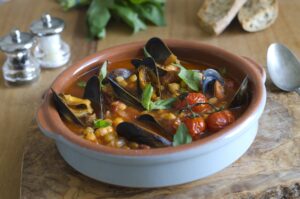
216	15
258	15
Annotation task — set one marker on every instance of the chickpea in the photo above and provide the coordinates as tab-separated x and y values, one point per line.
119	79
168	116
101	132
133	78
123	83
117	121
109	137
133	145
91	137
173	88
213	100
88	130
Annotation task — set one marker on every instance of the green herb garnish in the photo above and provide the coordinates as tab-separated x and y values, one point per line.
190	77
159	104
101	123
182	136
81	84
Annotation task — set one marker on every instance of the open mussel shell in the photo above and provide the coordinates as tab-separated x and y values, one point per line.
121	92
208	80
64	110
150	119
93	92
158	50
242	96
137	133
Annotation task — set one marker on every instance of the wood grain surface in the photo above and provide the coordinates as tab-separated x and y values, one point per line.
270	169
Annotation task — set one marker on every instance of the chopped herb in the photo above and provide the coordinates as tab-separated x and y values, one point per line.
182	136
190	77
159	104
101	123
81	84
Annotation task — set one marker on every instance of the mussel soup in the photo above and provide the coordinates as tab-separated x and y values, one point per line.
153	101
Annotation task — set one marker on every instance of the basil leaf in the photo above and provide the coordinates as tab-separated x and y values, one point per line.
151	12
182	136
68	4
101	123
81	84
98	16
163	104
130	17
103	71
190	77
146	96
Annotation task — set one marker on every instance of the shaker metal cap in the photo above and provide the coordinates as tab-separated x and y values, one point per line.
47	25
16	40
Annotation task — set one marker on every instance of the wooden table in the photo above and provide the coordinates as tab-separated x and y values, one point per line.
19	104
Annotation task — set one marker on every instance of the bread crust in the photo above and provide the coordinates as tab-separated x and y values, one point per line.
215	15
257	15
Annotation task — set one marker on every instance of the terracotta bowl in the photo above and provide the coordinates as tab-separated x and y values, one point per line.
163	166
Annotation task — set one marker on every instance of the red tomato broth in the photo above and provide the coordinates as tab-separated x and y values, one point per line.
75	90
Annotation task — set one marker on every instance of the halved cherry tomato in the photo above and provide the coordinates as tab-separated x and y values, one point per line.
194	98
218	120
196	126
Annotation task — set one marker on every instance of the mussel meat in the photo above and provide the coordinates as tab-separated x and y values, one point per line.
137	133
64	110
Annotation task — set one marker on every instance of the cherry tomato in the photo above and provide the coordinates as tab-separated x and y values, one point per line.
194	98
218	120
196	126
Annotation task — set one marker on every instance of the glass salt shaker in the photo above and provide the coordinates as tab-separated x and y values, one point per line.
51	51
20	67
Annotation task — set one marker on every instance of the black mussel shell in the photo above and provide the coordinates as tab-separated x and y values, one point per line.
64	111
242	96
149	63
150	119
209	78
121	92
93	92
136	133
157	49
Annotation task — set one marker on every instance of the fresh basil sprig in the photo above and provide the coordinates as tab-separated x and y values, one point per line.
159	104
182	136
101	123
190	77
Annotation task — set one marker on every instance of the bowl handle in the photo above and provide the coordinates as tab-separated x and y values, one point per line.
259	67
41	119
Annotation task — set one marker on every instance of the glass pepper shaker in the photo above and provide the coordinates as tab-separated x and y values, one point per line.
20	67
51	51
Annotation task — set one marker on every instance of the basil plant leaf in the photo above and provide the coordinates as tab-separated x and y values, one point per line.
151	12
68	4
190	77
129	16
98	16
101	123
146	96
182	136
163	104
